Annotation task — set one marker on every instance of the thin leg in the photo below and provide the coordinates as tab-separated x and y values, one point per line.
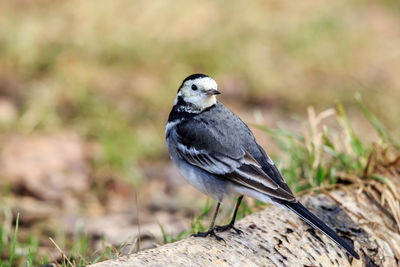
231	224
211	231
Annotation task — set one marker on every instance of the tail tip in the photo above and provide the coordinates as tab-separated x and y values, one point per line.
354	254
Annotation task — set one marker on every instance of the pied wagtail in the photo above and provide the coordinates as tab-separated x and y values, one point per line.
218	154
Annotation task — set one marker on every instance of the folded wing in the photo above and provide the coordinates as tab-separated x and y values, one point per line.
228	160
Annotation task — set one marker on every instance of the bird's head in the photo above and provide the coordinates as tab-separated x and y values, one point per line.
197	92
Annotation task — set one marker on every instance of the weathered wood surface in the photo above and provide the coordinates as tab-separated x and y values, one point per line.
276	237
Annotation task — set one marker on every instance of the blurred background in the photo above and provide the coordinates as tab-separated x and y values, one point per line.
86	88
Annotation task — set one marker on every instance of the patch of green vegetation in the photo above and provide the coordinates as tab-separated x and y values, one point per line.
14	242
75	251
95	118
17	253
197	222
170	238
317	154
315	32
102	121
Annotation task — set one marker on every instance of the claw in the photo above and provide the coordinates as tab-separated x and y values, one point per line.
210	232
227	227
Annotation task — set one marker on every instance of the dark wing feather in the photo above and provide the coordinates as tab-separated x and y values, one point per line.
271	169
254	178
211	162
199	146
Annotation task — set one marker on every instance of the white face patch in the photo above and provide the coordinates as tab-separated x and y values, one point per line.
196	93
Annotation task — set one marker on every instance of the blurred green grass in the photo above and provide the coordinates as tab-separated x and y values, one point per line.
109	70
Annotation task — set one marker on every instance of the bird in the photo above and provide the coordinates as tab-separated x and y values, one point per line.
218	154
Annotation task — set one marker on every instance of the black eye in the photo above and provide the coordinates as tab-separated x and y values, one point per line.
194	87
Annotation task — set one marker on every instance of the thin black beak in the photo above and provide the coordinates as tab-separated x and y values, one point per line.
213	92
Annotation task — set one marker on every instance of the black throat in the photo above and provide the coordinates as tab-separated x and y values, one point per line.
180	111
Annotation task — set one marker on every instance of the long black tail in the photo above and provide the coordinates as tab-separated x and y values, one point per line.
311	219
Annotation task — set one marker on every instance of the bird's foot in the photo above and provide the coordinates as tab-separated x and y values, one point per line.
223	228
210	232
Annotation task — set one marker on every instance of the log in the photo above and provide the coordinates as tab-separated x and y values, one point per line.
277	237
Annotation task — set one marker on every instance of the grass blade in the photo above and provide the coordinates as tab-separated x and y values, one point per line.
14	242
343	119
380	128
